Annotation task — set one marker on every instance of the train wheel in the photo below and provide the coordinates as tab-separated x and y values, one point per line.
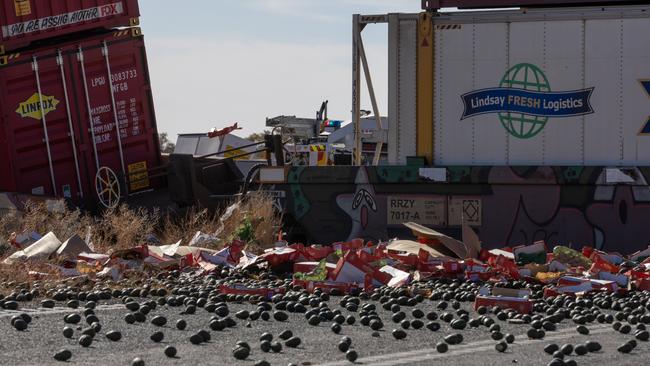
107	187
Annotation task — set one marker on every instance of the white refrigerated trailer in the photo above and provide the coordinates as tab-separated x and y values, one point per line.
567	86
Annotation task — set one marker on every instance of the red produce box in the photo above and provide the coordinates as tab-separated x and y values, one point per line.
517	300
326	286
306	267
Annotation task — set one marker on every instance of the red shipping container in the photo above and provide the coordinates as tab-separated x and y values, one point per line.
50	100
28	21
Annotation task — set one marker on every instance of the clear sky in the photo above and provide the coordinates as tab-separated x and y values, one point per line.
215	62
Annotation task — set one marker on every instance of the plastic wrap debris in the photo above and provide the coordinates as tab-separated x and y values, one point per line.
41	250
203	240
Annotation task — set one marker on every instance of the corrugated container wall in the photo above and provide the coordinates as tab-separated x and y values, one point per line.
582	80
26	22
58	107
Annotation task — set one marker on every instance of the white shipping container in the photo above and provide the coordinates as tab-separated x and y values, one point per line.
565	86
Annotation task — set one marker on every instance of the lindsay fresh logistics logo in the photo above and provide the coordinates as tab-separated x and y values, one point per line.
32	107
524	101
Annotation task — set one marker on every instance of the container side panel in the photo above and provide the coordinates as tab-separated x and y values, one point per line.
603	137
636	100
491	62
406	122
455	76
563	65
526	48
22	127
40	20
131	91
28	152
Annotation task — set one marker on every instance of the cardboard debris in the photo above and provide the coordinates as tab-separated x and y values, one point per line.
413	247
229	256
72	247
399	278
41	250
351	269
357	264
471	241
440	242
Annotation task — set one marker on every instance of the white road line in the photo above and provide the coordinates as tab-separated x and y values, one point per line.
420	355
58	310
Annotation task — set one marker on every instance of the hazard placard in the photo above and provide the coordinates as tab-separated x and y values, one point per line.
465	209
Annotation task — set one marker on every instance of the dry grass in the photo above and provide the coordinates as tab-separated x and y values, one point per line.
64	224
125	227
255	210
36	217
175	228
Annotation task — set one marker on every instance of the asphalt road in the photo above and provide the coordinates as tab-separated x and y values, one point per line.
43	338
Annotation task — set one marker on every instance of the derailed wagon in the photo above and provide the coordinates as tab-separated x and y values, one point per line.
78	119
527	124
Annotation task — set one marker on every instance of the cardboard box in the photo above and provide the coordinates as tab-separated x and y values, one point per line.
326	286
517	300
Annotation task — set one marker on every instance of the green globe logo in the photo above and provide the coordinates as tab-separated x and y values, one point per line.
527	77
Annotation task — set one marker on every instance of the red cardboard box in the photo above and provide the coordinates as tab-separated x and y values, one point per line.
517	300
326	286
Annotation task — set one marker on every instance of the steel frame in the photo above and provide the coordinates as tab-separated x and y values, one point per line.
359	60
